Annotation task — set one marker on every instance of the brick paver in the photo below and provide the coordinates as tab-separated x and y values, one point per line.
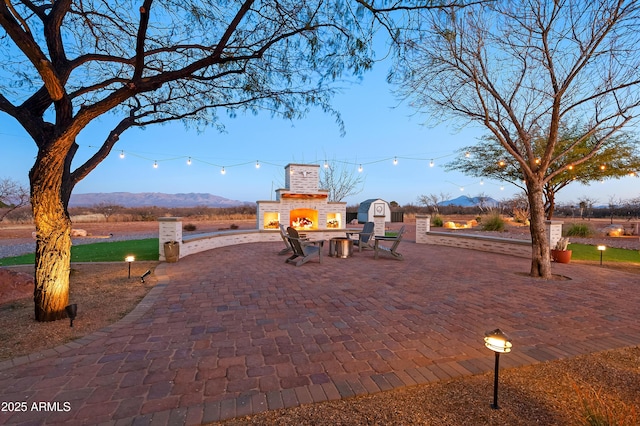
235	330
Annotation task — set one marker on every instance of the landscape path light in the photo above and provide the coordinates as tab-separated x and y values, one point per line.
72	312
499	343
601	249
129	260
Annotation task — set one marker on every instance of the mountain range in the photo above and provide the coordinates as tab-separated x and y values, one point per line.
158	199
465	201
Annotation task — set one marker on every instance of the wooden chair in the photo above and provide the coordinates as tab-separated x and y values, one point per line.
303	249
285	238
365	237
392	250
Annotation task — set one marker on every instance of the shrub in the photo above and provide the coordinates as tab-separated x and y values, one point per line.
579	230
493	222
189	227
436	221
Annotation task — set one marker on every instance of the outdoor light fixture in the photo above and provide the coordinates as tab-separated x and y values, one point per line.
129	260
431	163
601	249
189	161
395	161
72	311
499	343
146	274
257	164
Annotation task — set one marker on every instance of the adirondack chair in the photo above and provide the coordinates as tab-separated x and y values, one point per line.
365	237
303	249
285	237
392	250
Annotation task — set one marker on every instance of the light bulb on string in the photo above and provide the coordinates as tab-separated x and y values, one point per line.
121	154
360	168
395	161
155	164
501	187
431	163
481	181
462	188
257	164
189	161
467	154
326	165
223	171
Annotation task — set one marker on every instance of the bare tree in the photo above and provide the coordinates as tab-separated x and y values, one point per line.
66	63
13	195
521	69
433	201
341	180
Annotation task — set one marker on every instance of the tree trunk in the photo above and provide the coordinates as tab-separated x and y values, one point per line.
540	253
53	233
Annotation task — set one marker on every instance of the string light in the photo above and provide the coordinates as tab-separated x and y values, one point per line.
155	164
462	188
326	165
570	167
467	154
121	154
481	181
189	161
257	164
501	187
431	163
395	161
501	163
223	171
360	168
603	167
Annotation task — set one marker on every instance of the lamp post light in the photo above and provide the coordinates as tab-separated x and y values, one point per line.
499	343
129	260
601	249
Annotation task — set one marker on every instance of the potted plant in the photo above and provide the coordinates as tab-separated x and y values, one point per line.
560	253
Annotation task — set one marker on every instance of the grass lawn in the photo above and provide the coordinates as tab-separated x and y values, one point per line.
611	254
114	251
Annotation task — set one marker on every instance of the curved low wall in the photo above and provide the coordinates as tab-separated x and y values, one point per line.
521	248
171	230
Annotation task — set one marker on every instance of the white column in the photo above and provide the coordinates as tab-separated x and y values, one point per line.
423	225
170	230
379	224
554	231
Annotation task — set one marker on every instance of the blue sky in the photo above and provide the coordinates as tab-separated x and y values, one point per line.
378	129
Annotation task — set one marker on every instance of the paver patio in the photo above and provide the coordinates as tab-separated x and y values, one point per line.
235	330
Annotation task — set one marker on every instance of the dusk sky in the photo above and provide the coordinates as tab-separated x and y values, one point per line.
378	129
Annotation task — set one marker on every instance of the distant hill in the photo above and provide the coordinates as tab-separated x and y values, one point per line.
464	201
158	199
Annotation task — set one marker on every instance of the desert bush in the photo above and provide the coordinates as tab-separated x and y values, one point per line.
189	227
521	215
579	230
493	222
436	221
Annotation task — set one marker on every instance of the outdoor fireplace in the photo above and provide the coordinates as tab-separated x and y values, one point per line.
301	204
